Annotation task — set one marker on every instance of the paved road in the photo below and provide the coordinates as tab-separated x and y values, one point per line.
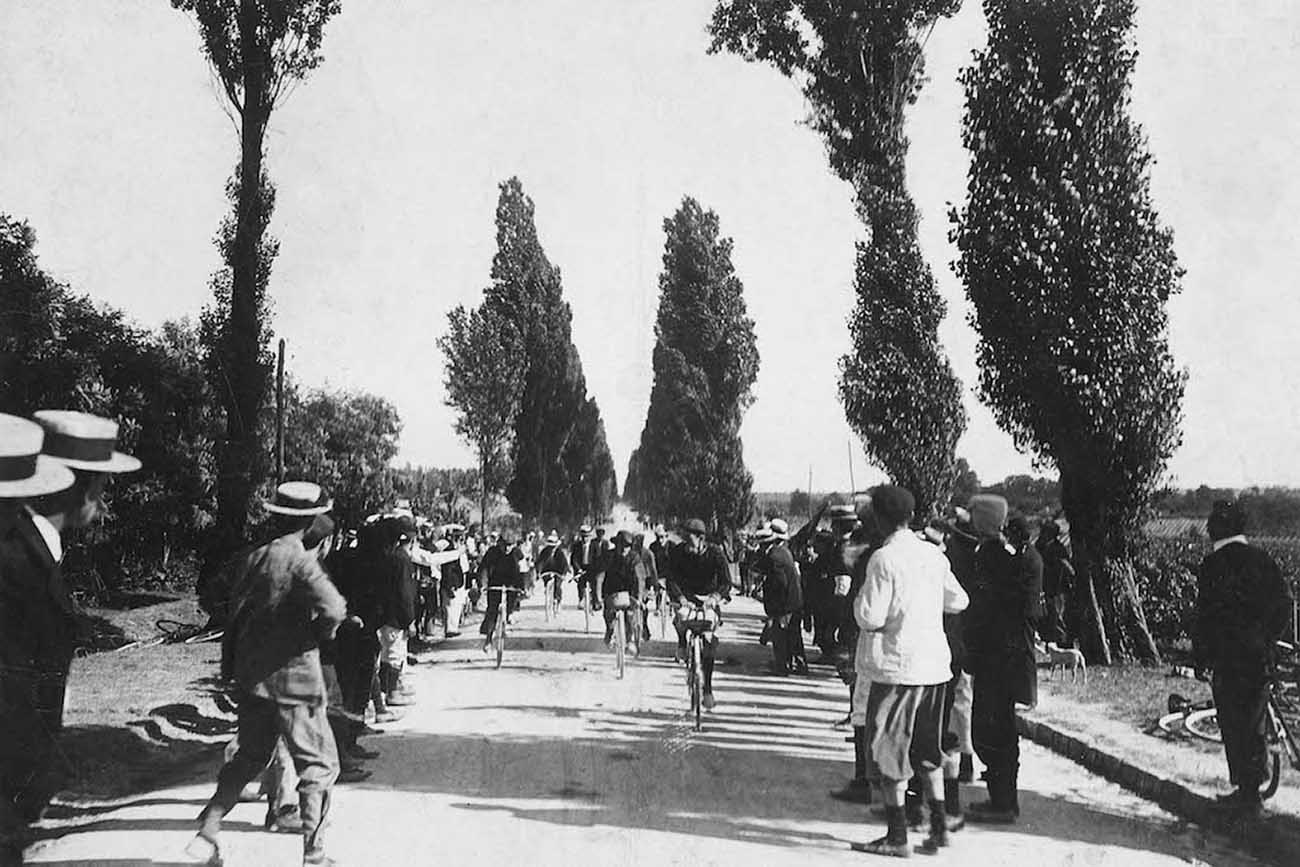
552	760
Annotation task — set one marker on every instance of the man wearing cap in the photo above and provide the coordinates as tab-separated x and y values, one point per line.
36	630
698	576
907	589
282	606
500	568
998	635
1242	608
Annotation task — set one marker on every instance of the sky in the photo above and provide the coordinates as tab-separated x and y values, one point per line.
115	146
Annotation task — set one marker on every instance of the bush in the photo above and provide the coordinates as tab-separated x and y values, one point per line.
1166	577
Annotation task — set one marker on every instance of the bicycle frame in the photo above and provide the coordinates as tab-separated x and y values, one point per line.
499	630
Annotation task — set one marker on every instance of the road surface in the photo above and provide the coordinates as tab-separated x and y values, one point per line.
552	760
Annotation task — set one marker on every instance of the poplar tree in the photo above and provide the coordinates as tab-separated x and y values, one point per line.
1069	270
860	63
690	460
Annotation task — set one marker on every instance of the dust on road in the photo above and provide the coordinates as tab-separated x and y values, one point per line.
552	760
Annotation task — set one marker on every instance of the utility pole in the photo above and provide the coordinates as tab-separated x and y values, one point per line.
279	415
810	512
853	486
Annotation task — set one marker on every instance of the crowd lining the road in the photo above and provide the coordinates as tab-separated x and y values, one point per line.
933	628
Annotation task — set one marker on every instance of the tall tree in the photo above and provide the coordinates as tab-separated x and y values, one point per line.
526	289
343	440
860	63
484	382
690	460
258	50
1069	270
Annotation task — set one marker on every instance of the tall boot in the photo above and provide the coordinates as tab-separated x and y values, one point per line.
912	804
952	805
858	789
895	840
938	837
1000	807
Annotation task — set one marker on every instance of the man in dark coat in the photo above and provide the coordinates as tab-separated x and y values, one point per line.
1058	583
52	478
783	602
282	607
619	576
698	578
1242	607
500	568
998	633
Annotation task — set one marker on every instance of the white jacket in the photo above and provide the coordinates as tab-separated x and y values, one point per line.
909	587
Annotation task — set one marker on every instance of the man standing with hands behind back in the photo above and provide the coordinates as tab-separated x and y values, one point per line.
1242	607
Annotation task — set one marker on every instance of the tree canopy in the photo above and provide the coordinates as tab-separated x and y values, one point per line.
690	461
1069	270
859	65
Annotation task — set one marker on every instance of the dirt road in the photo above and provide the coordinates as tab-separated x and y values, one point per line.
552	760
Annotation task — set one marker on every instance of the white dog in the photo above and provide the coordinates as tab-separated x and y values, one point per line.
1067	657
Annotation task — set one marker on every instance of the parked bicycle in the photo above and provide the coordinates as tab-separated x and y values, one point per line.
1281	720
699	621
499	630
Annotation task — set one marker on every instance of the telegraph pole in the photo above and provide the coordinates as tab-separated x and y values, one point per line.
279	415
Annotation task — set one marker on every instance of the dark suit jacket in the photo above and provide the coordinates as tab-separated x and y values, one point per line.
1243	604
282	606
782	590
37	629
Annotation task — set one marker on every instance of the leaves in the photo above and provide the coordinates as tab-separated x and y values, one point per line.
690	461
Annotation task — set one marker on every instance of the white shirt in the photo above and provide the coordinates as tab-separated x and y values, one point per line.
909	586
48	533
1228	541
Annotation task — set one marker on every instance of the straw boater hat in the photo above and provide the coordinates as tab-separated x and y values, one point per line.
299	498
24	471
553	538
780	529
83	441
763	534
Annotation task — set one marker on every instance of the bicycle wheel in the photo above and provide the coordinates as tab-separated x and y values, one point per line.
697	680
1171	724
501	634
663	617
620	643
586	611
1204	724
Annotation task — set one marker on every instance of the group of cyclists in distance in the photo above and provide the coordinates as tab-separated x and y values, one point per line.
617	575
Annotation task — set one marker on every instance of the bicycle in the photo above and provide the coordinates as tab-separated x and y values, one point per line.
551	591
621	604
499	630
1201	719
697	620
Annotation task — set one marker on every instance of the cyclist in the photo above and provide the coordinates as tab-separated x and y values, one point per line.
551	558
498	569
620	577
647	578
698	576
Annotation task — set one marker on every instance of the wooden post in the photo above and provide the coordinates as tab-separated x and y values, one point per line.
810	511
279	415
853	486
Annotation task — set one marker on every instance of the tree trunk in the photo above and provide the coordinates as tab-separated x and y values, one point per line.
1105	608
237	458
483	497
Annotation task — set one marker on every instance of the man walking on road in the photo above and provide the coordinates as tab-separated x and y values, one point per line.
283	605
1242	607
904	654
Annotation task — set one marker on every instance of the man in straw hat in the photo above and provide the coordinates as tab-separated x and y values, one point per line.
61	489
783	600
282	606
36	630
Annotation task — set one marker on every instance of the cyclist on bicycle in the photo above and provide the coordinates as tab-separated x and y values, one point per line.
620	577
500	568
699	577
551	558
